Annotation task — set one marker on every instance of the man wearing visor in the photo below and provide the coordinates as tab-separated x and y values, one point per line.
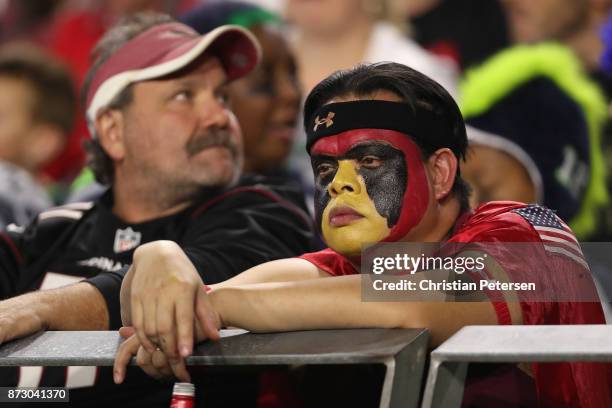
167	144
385	144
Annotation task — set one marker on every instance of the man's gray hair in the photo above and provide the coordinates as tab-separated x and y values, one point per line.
127	28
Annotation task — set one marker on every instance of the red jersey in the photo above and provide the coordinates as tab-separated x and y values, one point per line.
552	253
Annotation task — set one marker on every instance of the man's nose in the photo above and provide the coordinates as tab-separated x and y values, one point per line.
346	180
214	113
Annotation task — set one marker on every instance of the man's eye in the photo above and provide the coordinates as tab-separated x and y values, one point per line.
324	170
222	96
370	162
184	95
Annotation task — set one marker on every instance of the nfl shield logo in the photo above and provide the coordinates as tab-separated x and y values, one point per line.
126	239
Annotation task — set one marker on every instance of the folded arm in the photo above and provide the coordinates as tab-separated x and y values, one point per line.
337	303
74	307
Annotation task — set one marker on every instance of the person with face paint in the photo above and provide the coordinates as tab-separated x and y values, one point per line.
385	142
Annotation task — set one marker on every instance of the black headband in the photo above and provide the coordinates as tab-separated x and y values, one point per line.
339	117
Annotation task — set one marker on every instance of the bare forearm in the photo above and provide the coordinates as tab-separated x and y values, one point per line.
75	307
282	270
337	303
312	304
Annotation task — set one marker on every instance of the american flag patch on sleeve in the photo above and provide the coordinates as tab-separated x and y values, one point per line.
556	236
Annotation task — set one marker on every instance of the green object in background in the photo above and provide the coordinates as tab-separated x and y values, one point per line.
489	83
84	179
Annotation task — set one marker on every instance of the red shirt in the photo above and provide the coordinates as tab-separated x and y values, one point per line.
557	384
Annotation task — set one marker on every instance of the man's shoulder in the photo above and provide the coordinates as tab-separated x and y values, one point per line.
53	221
281	185
257	190
507	221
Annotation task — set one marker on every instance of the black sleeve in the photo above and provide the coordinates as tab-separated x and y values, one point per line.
246	226
109	285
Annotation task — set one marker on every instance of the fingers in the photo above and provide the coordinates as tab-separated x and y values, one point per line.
155	364
123	358
184	323
206	316
160	364
180	370
138	321
166	332
126	331
144	361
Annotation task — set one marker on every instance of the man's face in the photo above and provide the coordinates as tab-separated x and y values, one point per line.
371	185
359	192
179	132
539	20
267	104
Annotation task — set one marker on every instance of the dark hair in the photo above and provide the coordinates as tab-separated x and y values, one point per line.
414	89
54	96
127	28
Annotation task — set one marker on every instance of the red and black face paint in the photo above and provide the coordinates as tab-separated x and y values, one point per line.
373	128
382	167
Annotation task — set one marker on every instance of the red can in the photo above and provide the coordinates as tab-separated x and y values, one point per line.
183	396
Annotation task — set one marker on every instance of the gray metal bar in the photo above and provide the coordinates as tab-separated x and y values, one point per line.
408	373
509	344
402	351
445	383
359	346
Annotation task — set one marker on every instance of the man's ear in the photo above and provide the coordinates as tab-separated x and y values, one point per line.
109	128
442	169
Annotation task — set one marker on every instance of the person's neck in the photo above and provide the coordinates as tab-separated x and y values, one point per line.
318	56
439	226
136	202
587	45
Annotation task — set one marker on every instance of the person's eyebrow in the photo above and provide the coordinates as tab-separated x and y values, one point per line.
320	157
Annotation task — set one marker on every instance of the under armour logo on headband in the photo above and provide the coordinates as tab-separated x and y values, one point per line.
327	121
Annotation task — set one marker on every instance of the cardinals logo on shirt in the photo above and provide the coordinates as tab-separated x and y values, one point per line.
126	239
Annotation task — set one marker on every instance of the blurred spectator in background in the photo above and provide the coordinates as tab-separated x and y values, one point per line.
333	34
536	122
329	35
469	31
27	20
36	115
577	24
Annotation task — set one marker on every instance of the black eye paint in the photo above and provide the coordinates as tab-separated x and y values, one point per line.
321	197
386	184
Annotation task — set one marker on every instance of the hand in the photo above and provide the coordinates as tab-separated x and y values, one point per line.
161	293
154	364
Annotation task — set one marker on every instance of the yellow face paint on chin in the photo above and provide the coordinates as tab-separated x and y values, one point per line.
350	218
